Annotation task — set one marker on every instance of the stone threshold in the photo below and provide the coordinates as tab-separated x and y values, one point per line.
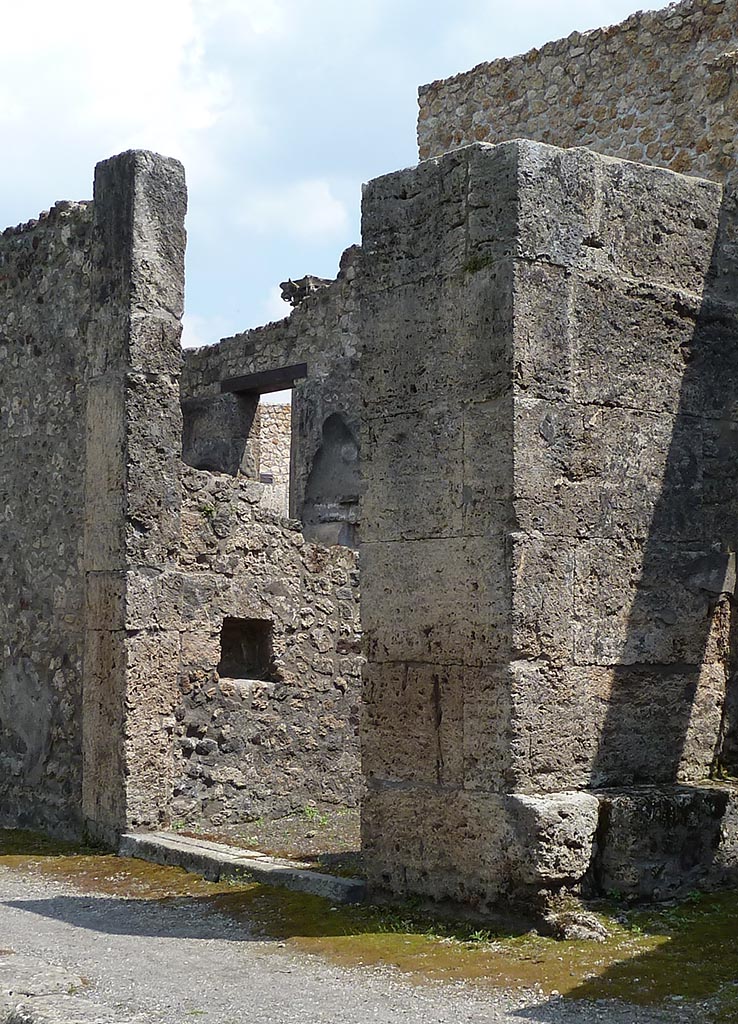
220	862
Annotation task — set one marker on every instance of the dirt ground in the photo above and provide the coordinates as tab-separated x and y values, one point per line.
326	840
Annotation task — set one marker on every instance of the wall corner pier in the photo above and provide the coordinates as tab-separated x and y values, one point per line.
133	490
548	401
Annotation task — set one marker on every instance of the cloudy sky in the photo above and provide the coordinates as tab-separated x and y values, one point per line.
279	109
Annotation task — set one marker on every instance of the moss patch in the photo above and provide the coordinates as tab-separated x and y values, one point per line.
679	954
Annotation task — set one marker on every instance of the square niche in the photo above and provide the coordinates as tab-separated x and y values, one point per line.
246	650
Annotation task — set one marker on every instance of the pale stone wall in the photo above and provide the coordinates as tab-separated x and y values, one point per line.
549	421
269	746
256	747
275	442
110	606
89	301
45	301
133	490
662	88
324	332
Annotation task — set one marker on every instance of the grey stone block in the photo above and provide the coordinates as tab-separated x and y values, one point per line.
214	861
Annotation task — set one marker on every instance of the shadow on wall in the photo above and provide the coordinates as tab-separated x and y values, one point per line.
220	434
668	685
330	509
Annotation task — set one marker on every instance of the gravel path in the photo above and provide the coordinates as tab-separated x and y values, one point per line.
182	962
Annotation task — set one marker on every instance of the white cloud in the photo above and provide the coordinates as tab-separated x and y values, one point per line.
110	75
249	18
275	308
10	109
304	209
204	330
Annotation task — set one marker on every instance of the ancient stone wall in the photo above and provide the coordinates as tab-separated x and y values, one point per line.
284	735
548	396
45	300
124	633
90	304
323	331
262	732
133	490
275	442
661	88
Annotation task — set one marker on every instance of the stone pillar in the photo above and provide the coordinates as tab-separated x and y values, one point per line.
549	345
133	487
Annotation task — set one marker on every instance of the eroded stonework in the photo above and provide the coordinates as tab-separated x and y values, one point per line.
45	305
518	398
547	568
254	746
661	88
140	593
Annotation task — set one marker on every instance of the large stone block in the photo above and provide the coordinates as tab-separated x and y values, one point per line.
415	220
153	470
419	456
413	716
103	749
429	333
444	844
583	603
655	724
645	604
140	204
488	728
152	689
658	843
592	470
442	601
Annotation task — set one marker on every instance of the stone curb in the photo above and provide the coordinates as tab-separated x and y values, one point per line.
217	861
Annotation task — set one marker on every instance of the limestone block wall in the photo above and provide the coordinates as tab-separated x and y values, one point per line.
275	441
661	88
548	396
45	301
133	489
275	740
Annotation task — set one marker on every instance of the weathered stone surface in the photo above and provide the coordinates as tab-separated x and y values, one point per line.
554	837
654	843
275	444
216	861
258	746
661	88
543	580
544	342
45	272
133	489
322	332
34	992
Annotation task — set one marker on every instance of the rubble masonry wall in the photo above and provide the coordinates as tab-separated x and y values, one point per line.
45	302
275	442
257	747
252	747
661	88
324	332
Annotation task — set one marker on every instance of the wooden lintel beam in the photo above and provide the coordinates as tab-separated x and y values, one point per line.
265	382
